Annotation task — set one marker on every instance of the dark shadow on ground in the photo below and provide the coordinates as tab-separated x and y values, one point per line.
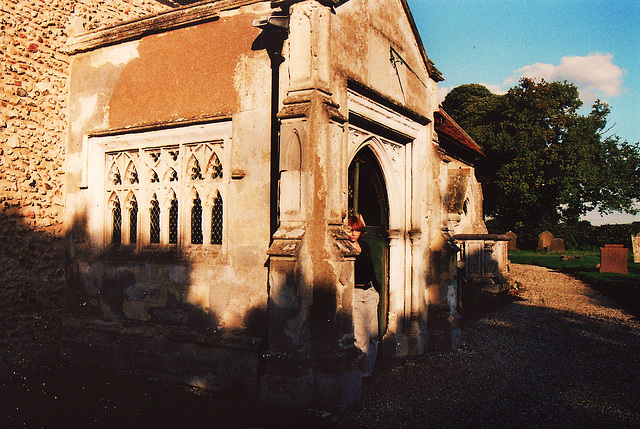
79	397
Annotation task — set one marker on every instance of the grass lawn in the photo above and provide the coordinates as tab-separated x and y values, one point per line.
583	264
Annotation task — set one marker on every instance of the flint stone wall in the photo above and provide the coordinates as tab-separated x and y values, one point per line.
33	119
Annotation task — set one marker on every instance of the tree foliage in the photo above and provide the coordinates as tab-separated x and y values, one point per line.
546	163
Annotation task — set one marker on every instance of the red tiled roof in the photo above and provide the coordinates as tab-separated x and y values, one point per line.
446	125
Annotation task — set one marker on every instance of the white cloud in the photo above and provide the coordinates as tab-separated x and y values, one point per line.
442	93
595	75
496	89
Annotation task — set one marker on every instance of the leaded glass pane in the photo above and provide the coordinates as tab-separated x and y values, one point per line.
133	222
196	221
173	222
216	220
116	233
154	227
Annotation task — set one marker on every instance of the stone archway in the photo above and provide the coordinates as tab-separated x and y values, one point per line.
368	197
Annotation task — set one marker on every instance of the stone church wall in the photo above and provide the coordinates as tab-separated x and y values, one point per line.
33	118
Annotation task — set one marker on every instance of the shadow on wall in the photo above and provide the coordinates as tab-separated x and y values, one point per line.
483	278
32	279
133	310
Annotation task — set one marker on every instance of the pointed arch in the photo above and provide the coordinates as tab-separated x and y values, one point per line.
153	176
194	171
171	175
368	197
371	201
214	167
291	157
115	178
395	191
131	173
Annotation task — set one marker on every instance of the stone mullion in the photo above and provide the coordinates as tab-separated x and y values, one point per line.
207	206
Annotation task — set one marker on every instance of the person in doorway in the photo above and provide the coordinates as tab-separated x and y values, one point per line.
365	299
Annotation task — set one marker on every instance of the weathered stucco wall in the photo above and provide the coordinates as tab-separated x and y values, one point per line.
363	33
205	83
33	95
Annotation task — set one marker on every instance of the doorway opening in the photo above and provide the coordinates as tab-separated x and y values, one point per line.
368	197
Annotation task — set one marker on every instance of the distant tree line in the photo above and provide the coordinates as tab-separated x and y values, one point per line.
584	236
546	165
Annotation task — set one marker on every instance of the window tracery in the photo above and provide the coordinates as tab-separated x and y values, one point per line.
174	173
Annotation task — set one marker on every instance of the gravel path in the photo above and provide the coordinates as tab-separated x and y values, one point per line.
561	355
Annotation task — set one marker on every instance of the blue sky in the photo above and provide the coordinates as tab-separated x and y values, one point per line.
593	43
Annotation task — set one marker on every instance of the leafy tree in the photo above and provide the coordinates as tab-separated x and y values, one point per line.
546	163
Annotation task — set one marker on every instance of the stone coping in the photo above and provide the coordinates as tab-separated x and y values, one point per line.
157	23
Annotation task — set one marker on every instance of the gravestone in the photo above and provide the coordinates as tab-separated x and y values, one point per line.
557	245
511	244
613	259
635	241
544	240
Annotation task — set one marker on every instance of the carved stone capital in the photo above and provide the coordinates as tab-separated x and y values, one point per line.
286	242
342	241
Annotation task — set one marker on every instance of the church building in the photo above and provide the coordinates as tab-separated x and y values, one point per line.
215	151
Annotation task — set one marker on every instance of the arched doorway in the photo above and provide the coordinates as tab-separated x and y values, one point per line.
368	197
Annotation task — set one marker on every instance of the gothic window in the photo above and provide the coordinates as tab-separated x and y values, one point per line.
216	220
149	188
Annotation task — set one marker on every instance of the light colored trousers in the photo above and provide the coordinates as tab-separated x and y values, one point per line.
365	325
